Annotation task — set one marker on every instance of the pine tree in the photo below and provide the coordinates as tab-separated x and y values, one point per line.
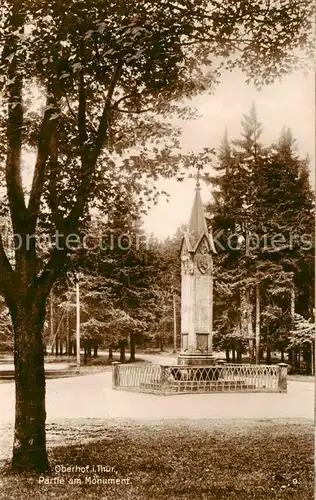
264	198
283	204
238	163
250	146
302	341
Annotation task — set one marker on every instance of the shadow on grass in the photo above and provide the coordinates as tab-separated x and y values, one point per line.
183	460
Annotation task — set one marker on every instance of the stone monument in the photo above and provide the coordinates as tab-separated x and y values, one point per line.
196	253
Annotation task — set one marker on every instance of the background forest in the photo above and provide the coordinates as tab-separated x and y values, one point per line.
261	213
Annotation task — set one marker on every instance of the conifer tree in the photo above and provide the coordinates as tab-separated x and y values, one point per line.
238	162
263	208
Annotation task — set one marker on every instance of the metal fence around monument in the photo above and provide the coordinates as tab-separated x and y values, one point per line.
169	380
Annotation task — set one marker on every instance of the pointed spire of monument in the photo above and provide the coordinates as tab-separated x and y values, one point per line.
197	226
197	223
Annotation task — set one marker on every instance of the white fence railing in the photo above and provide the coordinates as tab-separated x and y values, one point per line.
176	379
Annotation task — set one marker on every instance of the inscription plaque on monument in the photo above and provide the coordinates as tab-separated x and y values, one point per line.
185	342
202	342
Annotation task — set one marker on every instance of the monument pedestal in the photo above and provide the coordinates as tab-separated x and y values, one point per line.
196	359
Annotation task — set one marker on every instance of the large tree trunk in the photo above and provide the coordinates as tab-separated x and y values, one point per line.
174	324
257	327
227	352
69	346
161	342
122	353
268	355
239	352
249	324
132	347
292	304
292	312
29	447
95	350
234	354
243	313
51	320
85	356
89	348
297	360
110	353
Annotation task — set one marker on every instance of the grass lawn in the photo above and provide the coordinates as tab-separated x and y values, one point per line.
187	460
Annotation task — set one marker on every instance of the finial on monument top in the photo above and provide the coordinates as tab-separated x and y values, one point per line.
197	176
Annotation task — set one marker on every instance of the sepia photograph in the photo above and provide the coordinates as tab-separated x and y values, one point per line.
157	249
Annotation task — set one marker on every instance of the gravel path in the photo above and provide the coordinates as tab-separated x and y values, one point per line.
92	396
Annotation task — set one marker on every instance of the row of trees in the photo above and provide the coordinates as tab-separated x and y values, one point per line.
262	217
263	220
128	295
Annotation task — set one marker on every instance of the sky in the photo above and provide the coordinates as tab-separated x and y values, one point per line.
289	102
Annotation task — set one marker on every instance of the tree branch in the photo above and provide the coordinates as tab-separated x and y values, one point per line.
48	127
82	100
52	192
70	108
134	94
14	134
92	156
75	117
53	269
131	111
127	96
